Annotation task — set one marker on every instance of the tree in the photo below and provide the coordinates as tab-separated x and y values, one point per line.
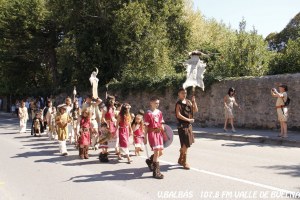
287	61
245	54
22	44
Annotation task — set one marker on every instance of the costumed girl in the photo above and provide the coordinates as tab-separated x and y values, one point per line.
84	138
138	132
108	118
125	131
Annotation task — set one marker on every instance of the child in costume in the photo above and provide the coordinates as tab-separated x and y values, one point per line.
138	133
37	125
154	130
62	121
108	118
84	139
125	131
23	116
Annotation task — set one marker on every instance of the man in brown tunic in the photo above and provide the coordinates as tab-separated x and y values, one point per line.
184	110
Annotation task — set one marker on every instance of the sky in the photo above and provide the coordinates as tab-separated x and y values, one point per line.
266	16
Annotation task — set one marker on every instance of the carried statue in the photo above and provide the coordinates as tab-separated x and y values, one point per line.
94	82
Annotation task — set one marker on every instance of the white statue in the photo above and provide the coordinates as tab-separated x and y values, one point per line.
94	82
195	69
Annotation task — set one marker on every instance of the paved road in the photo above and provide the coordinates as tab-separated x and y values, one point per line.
31	169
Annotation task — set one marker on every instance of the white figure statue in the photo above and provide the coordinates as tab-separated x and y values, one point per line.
94	82
195	69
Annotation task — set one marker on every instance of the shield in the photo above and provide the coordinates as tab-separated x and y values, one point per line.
104	136
168	136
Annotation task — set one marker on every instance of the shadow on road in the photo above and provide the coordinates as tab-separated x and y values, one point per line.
58	158
35	153
117	175
9	133
261	145
291	170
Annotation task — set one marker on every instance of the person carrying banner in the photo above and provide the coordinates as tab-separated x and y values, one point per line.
184	110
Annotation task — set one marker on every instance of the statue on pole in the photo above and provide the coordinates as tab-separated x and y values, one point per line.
94	82
195	69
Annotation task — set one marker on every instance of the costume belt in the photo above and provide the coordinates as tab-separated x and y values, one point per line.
84	129
156	130
123	126
282	106
184	125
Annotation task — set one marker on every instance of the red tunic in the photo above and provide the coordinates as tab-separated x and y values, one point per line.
138	135
85	137
109	116
124	133
153	120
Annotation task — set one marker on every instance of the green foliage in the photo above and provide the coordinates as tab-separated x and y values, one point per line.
277	41
48	46
287	61
21	46
150	84
246	54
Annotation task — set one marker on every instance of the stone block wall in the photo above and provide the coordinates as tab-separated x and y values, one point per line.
252	93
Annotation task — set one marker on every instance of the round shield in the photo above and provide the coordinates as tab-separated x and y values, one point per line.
168	136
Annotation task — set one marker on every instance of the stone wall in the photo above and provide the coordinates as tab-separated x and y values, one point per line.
253	95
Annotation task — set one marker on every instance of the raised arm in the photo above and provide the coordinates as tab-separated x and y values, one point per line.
195	106
276	94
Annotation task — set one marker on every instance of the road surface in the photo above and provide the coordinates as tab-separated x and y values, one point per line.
32	169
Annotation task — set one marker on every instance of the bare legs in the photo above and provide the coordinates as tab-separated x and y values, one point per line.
231	122
283	129
157	154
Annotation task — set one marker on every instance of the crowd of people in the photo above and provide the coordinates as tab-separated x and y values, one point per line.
110	124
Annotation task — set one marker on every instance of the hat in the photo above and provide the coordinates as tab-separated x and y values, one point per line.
62	106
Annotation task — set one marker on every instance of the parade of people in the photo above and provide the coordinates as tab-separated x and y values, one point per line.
149	99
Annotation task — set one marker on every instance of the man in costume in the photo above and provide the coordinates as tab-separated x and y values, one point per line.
185	110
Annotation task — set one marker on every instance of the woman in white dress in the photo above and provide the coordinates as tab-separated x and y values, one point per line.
229	102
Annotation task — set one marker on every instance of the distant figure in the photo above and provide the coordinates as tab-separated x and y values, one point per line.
23	116
281	107
0	103
229	102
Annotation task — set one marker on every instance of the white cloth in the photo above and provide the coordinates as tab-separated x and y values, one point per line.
23	116
23	126
63	147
